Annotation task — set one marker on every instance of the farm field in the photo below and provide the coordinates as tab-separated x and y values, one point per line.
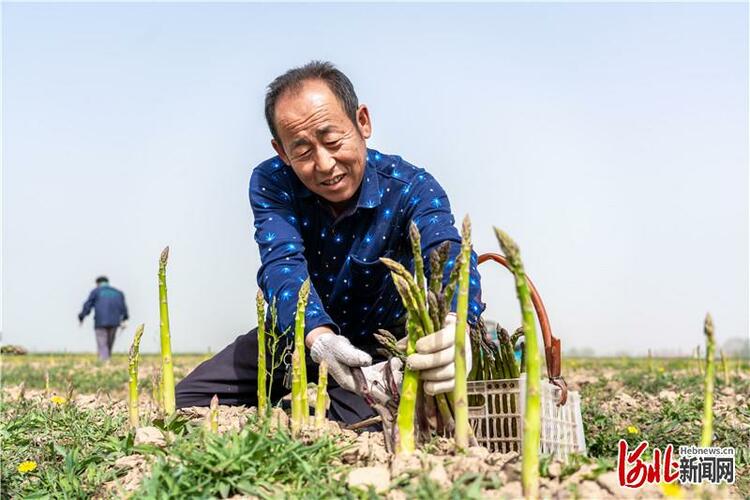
74	430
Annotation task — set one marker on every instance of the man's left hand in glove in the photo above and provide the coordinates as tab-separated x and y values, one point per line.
435	356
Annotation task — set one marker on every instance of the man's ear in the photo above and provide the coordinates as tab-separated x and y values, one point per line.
280	151
363	121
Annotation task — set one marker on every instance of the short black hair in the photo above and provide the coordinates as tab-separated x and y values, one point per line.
293	79
102	279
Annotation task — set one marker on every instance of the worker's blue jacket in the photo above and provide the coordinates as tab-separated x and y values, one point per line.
109	306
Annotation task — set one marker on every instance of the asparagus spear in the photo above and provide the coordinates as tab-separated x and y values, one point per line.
389	343
708	401
724	367
133	373
408	399
460	401
532	413
297	389
212	420
320	400
437	263
299	345
450	287
262	395
434	310
416	250
418	306
507	350
650	362
167	370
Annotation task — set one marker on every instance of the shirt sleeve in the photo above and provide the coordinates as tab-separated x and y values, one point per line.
283	265
87	305
429	208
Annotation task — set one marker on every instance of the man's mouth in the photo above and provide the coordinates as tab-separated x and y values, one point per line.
333	180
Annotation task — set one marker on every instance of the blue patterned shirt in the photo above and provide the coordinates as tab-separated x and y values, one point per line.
351	290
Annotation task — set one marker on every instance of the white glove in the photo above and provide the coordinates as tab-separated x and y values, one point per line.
340	355
376	381
435	356
124	325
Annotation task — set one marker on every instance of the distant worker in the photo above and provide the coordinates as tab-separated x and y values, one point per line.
110	313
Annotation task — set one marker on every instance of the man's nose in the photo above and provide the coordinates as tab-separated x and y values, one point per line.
324	161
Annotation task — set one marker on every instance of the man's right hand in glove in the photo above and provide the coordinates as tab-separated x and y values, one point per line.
340	355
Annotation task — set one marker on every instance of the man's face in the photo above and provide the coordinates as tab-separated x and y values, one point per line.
319	141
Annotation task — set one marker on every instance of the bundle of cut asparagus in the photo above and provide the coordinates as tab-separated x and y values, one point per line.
427	303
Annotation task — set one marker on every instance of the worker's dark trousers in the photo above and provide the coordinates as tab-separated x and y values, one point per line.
233	375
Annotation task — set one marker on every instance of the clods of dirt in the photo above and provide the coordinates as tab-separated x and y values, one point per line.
150	436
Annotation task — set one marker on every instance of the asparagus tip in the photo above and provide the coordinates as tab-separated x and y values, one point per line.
164	256
414	231
708	326
466	228
305	288
136	340
509	247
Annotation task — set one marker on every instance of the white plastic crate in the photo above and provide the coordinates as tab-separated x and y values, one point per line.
496	416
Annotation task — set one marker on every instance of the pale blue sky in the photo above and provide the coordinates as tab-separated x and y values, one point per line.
611	141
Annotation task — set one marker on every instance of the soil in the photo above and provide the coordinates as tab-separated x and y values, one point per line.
370	465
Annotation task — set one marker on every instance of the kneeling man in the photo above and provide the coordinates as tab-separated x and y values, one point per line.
327	208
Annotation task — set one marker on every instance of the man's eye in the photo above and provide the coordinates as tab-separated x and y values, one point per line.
332	144
304	154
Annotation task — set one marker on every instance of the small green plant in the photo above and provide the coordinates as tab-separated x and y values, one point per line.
252	462
73	449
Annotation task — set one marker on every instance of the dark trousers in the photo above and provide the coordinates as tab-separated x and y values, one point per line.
105	339
232	374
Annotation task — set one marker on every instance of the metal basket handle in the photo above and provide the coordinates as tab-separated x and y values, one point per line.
552	352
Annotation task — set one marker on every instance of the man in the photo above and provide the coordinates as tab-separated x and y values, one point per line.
326	208
110	313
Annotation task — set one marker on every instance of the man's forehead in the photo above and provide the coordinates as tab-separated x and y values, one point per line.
311	97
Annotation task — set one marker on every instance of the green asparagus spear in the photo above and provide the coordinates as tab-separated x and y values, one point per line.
297	389
460	401
262	395
532	414
299	345
133	373
167	370
320	399
408	399
708	401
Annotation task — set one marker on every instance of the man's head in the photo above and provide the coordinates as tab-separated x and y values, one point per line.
319	129
102	280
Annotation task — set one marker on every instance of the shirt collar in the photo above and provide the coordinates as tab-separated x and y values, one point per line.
369	192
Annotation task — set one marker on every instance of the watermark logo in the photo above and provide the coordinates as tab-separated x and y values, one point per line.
694	465
714	464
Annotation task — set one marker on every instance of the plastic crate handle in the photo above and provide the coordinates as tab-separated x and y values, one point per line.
552	352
